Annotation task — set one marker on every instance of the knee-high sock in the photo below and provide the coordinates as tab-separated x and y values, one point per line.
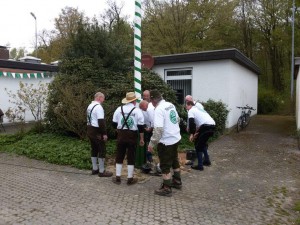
130	169
94	163
118	170
101	165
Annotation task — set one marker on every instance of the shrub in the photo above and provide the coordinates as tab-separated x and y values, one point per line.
73	89
68	99
268	101
29	96
219	112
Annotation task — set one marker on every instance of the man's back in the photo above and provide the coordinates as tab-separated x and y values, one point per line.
166	117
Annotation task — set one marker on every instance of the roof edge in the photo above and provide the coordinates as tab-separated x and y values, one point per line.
27	66
232	54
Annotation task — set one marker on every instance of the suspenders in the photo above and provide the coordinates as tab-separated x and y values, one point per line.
125	119
89	116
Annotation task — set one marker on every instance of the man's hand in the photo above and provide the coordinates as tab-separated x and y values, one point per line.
191	138
150	148
142	142
148	129
104	137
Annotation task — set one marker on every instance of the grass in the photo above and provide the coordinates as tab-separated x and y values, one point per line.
297	208
59	149
278	201
48	147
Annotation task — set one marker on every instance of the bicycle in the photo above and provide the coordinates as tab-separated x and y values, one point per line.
244	118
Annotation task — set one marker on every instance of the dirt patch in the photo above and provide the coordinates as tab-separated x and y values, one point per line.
139	173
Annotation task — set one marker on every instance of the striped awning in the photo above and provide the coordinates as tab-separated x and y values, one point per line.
34	75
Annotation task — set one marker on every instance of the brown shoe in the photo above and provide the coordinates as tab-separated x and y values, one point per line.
95	172
116	180
105	174
132	181
164	190
176	184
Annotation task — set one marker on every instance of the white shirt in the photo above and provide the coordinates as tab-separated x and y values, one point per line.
136	117
149	115
199	105
97	113
166	117
200	116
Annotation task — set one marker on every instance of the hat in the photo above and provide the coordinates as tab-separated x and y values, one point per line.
154	94
130	97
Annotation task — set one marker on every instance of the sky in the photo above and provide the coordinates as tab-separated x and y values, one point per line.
17	26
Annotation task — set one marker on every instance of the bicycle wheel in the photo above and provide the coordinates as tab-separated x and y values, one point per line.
239	124
247	120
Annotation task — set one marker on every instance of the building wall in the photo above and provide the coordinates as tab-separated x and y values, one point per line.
298	101
12	84
243	88
220	80
210	81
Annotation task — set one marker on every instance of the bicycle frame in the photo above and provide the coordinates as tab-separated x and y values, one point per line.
244	118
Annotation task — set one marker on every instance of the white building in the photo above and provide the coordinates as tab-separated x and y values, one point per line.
297	77
12	72
221	75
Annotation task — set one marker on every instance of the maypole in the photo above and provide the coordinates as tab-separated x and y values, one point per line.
140	152
137	49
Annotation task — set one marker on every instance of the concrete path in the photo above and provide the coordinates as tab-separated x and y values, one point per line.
254	179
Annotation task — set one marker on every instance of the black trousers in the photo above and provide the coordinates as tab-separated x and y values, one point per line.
204	133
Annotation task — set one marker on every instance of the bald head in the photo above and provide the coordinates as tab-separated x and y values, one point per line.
143	105
188	98
146	95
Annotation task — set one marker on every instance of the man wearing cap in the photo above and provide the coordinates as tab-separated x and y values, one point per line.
96	132
129	121
166	136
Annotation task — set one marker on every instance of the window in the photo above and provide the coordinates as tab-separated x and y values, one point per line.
181	82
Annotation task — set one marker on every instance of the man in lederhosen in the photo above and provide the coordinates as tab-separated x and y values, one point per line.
166	135
201	128
96	132
128	120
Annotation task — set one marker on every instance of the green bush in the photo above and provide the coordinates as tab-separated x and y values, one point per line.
68	99
268	101
219	112
72	91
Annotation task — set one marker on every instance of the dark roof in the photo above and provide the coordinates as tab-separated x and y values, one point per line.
232	54
27	66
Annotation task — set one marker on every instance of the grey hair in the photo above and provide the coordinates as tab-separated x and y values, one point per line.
98	94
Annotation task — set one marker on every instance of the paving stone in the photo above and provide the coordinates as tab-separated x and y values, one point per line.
248	183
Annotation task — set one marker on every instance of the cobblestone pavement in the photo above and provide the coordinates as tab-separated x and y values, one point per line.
254	179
